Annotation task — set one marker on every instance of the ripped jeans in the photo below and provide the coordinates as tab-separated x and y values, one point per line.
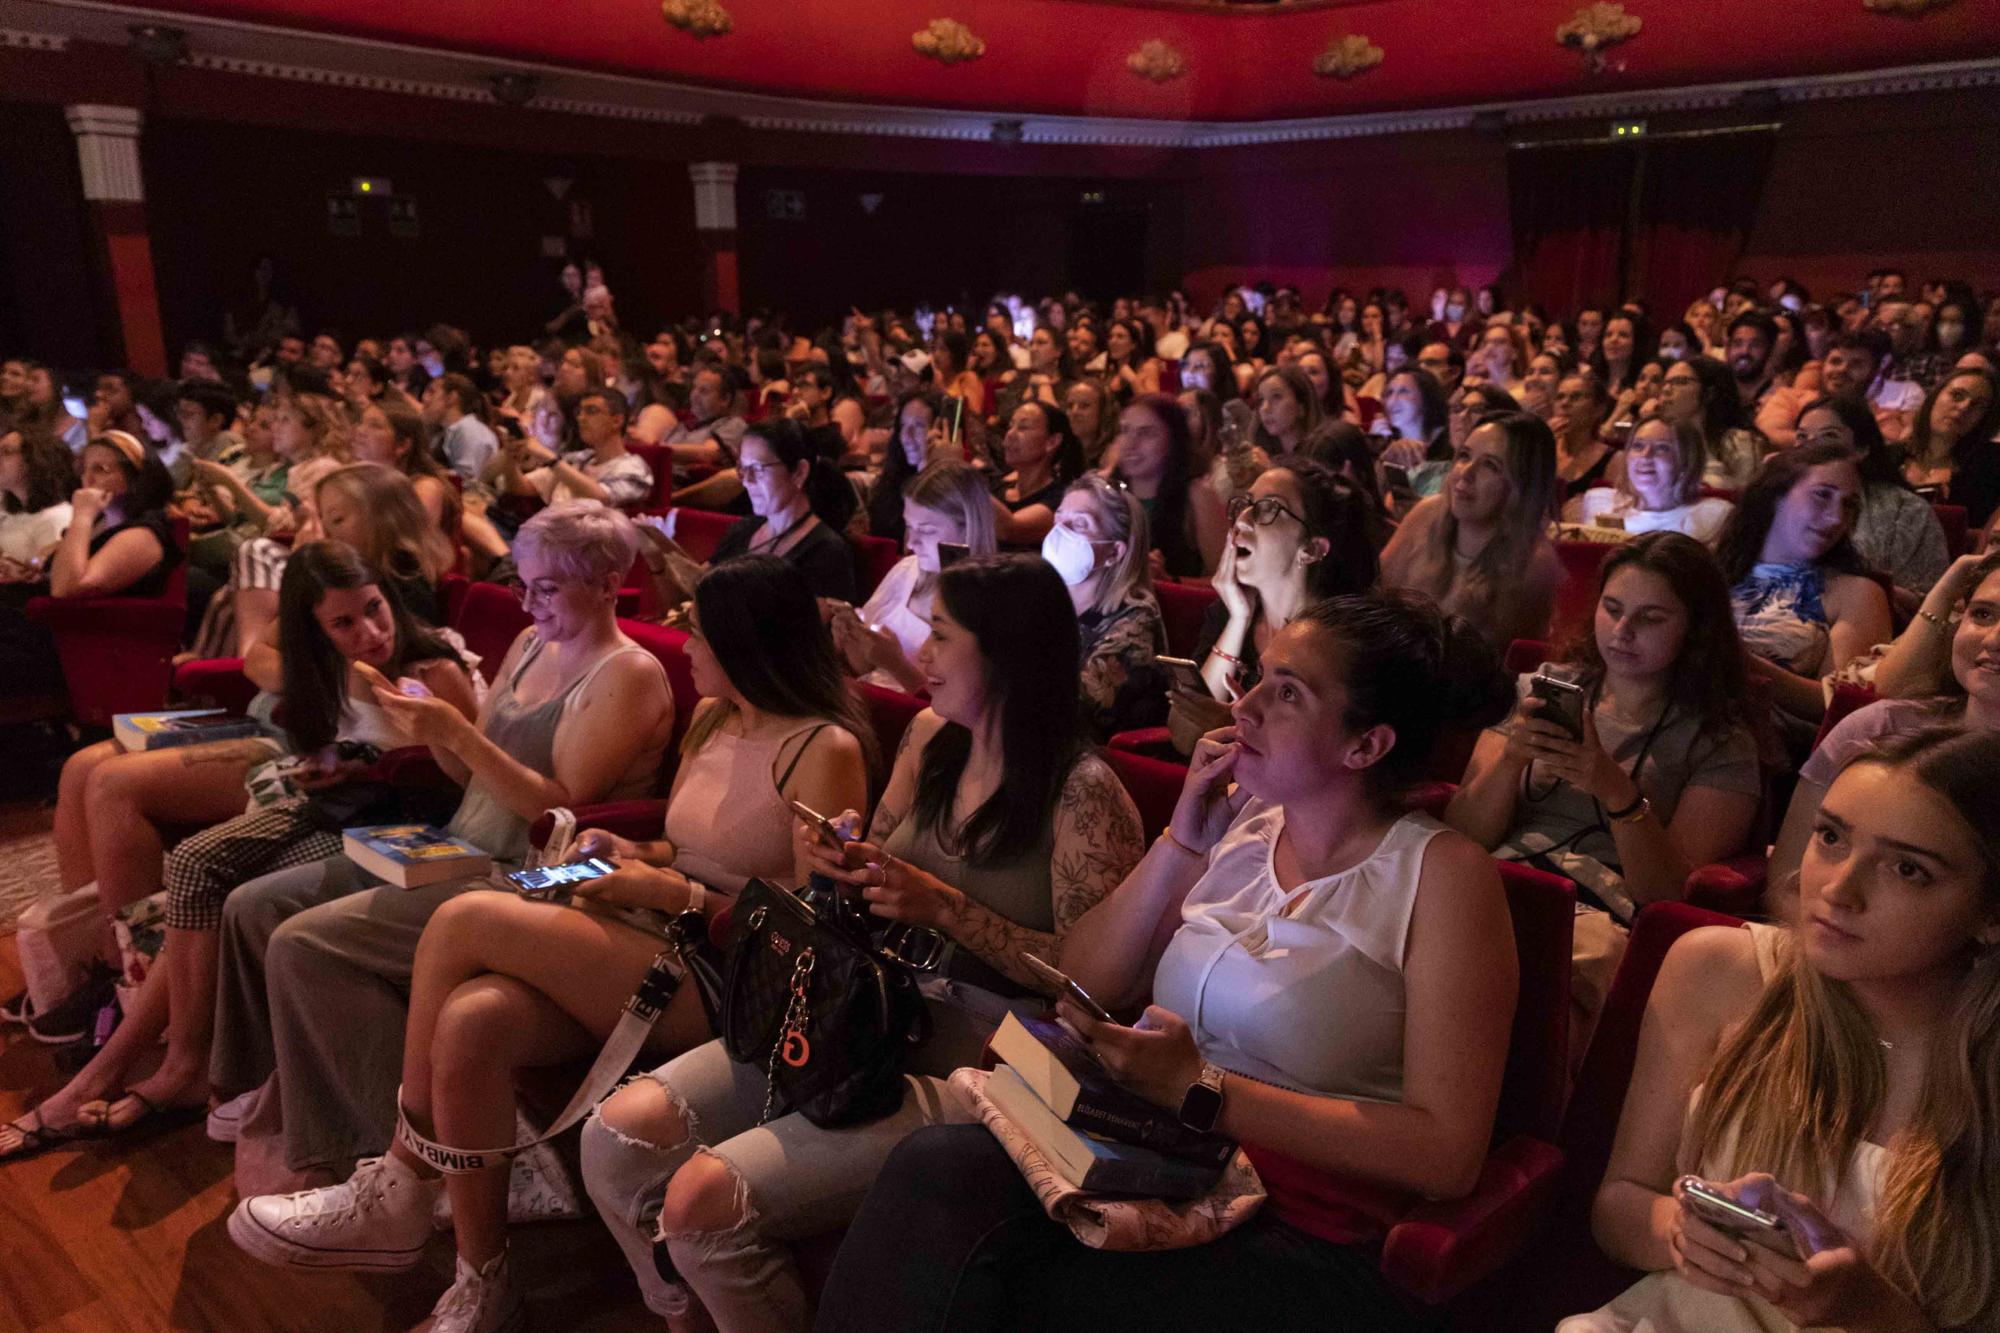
794	1179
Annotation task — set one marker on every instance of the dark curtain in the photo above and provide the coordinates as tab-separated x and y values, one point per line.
1697	200
1568	205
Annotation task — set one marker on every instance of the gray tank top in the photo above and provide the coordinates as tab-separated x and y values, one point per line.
1019	888
528	735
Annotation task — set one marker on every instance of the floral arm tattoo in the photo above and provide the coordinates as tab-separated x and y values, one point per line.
887	813
1098	841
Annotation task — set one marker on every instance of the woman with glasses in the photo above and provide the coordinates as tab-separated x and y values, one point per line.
1951	449
502	983
1581	405
603	470
315	960
1897	532
1661	488
1299	534
998	830
1702	390
799	506
1098	546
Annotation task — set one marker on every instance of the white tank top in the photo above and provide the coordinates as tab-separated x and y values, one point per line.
1302	989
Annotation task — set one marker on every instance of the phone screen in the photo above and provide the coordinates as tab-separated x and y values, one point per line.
1065	985
545	879
950	553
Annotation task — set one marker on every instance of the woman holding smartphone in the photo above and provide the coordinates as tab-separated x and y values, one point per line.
1835	1074
503	983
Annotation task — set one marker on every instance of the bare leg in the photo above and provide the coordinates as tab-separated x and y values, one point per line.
187	966
83	1096
131	795
72	823
562	977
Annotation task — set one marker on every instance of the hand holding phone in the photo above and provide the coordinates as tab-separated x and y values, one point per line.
1561	701
1185	673
1735	1218
1064	985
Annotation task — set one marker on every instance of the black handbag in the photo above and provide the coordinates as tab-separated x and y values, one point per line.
802	991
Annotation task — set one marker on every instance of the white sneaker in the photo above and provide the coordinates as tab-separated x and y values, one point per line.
225	1122
483	1300
376	1221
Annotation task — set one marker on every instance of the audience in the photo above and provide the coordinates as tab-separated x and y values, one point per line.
1339	969
998	830
331	502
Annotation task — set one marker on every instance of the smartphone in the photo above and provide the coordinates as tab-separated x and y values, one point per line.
1720	1211
412	688
826	828
552	884
950	553
1562	701
1062	984
1396	478
956	407
1186	672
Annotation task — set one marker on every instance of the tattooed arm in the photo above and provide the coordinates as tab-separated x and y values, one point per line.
1097	842
901	793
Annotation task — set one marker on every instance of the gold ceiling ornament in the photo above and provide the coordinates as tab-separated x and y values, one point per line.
1156	62
1345	57
699	18
1595	28
948	42
1906	8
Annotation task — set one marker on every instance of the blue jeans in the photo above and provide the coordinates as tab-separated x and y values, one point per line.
951	1238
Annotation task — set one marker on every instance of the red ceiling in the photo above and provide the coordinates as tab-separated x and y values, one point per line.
1068	56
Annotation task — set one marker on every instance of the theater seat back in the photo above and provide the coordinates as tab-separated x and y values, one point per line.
1182	606
700	531
489	619
669	646
1577	594
1543	908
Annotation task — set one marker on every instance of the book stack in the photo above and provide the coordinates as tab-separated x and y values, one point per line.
1095	1133
187	726
412	856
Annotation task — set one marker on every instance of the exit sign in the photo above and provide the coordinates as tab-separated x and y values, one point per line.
374	186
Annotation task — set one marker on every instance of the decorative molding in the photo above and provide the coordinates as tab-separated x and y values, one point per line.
107	148
948	42
1348	56
1904	8
1156	62
698	18
21	40
714	195
1596	28
377	66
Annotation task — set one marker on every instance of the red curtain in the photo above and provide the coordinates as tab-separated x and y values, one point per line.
1664	219
1697	200
1568	205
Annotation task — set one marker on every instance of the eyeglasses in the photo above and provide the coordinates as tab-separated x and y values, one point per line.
1829	436
544	593
1264	512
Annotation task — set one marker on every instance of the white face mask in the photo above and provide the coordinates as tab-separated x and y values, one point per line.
1073	555
1456	310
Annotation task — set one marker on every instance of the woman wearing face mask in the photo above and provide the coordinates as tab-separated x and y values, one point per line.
1660	490
335	611
1043	456
1481	547
1581	406
909	450
1961	645
1831	1074
1897	531
1098	546
1156	462
1678	342
1804	601
799	506
1951	445
999	829
1288	411
1209	366
1300	533
1664	777
946	504
1339	971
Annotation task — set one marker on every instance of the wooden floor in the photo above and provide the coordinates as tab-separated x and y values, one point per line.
126	1236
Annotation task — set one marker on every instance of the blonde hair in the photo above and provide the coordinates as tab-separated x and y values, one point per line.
402	540
1495	575
1796	1088
960	491
584	540
1120	518
324	422
1693	458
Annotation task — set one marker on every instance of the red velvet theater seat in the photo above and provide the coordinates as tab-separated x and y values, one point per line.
117	653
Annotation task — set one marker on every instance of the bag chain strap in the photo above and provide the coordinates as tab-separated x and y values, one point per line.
791	1044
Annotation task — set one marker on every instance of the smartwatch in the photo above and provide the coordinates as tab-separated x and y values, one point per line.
1201	1105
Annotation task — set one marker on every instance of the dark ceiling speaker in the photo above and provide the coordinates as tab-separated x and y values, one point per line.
513	88
1492	122
1006	131
158	45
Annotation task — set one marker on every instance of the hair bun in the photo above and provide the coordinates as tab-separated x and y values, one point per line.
1473	689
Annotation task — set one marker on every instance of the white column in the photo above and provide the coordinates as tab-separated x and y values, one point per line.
714	195
107	147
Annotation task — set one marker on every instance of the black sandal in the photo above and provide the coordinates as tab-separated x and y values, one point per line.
151	1117
39	1138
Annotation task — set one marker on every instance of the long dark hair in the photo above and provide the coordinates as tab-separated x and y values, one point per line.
1721	403
1338	510
1878	463
1018	610
1224	384
1437	408
761	621
1741	543
51	469
1069	459
1169	518
885	499
1975	441
1708	680
314	685
831	498
1414	669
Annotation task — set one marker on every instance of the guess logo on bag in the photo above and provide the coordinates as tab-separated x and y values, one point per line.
780	945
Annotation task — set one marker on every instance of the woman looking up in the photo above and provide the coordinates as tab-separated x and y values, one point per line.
1661	488
1156	461
1043	457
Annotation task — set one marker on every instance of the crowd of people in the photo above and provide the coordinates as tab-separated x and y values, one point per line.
1759	511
